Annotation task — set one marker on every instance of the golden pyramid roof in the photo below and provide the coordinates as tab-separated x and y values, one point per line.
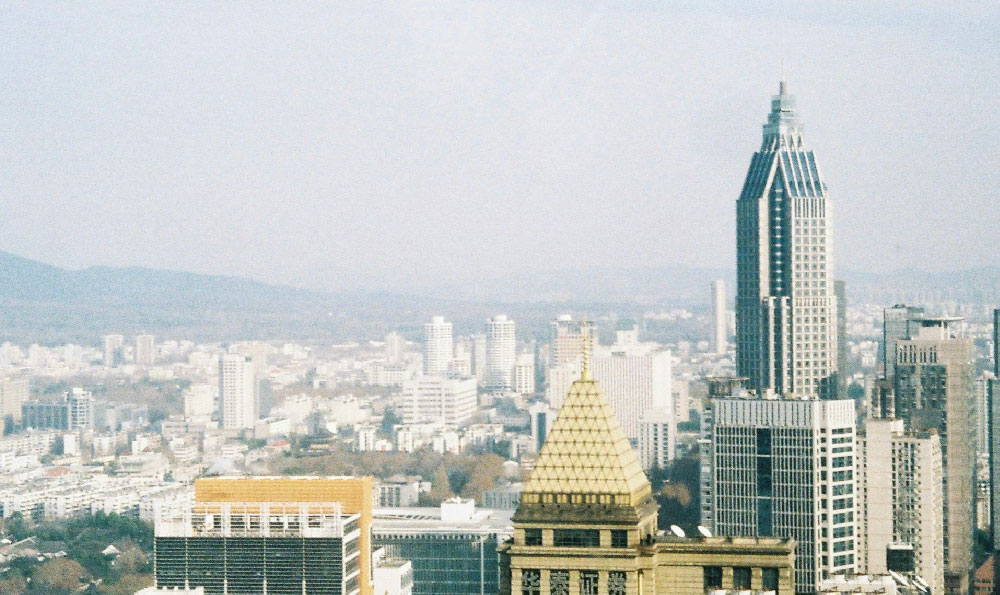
586	457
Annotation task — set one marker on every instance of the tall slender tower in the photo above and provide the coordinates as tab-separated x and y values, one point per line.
501	352
438	346
786	310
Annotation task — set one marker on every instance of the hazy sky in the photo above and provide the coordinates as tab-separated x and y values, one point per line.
391	145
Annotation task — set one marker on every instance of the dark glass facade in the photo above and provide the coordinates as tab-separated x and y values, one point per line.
447	563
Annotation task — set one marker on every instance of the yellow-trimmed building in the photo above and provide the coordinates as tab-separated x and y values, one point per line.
587	523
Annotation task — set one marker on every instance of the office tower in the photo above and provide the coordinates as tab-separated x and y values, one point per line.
438	348
783	467
74	412
634	384
993	407
395	347
899	501
113	350
355	495
453	549
270	535
541	416
477	356
13	393
786	334
80	404
439	399
524	374
934	391
657	438
681	392
720	323
566	341
840	292
587	522
500	353
560	378
238	392
895	327
981	414
145	350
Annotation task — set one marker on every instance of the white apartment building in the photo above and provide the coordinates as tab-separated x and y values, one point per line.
634	384
238	392
501	351
900	500
438	346
558	379
145	350
783	467
657	438
524	374
439	399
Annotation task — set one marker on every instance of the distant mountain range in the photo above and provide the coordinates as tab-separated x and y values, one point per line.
47	304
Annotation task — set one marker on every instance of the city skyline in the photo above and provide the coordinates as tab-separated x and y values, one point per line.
160	172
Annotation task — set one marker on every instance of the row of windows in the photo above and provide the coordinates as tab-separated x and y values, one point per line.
576	537
741	578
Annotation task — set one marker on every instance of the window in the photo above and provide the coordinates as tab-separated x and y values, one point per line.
588	582
769	579
576	538
616	582
741	578
619	538
713	577
532	537
531	582
559	582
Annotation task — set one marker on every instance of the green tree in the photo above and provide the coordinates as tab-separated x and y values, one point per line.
59	576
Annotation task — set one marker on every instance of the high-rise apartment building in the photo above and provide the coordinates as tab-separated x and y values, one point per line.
145	350
635	384
113	345
395	347
439	399
566	341
934	377
899	501
524	374
74	412
720	323
13	393
786	339
438	346
657	438
895	327
239	392
785	468
501	351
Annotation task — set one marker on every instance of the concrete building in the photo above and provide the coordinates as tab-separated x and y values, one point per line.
993	425
239	392
542	417
113	345
524	374
587	523
13	394
786	339
720	320
761	457
74	412
395	348
501	351
895	327
657	438
934	391
145	350
438	346
899	500
557	383
439	399
566	342
634	384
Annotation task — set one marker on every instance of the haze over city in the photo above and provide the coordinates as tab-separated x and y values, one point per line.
398	147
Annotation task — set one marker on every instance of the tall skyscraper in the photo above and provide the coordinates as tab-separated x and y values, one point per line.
438	346
899	501
840	291
145	350
720	324
238	392
785	468
113	350
786	337
895	328
993	407
934	378
501	353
